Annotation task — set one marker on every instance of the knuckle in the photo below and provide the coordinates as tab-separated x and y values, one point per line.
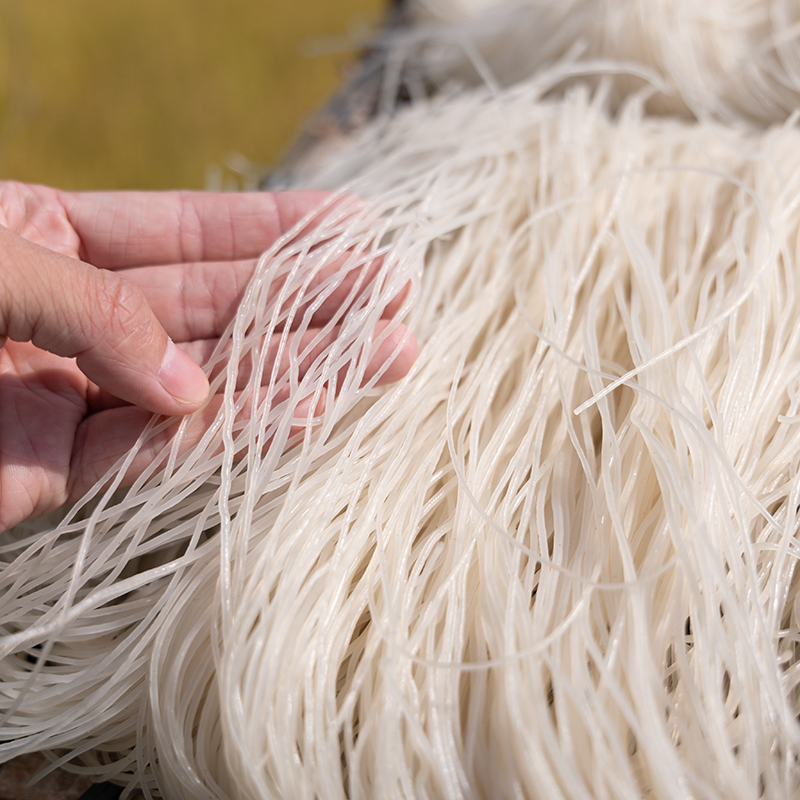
190	229
122	312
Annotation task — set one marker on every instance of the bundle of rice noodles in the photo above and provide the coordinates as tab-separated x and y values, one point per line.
733	60
557	560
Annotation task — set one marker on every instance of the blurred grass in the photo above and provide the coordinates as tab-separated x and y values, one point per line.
152	93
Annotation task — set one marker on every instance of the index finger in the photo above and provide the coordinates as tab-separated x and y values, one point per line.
132	229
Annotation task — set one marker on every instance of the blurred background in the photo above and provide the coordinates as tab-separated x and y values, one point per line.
135	94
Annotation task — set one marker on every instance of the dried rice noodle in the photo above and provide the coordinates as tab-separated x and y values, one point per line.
557	560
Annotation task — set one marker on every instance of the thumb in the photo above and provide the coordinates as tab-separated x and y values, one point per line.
72	309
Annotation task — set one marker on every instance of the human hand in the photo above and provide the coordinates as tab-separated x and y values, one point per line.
95	290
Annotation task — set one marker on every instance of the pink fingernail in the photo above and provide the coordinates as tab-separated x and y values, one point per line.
181	377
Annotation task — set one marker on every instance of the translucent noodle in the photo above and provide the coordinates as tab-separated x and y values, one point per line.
557	560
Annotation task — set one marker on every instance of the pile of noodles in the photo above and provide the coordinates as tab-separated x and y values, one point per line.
557	560
727	59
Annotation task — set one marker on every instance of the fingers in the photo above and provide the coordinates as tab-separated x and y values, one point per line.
390	362
193	301
130	229
103	439
197	301
74	310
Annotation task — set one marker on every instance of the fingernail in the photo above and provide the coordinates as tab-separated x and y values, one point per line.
181	377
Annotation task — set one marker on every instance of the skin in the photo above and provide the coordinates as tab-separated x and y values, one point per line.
108	302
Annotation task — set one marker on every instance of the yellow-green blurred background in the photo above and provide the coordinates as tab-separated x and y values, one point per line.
98	94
